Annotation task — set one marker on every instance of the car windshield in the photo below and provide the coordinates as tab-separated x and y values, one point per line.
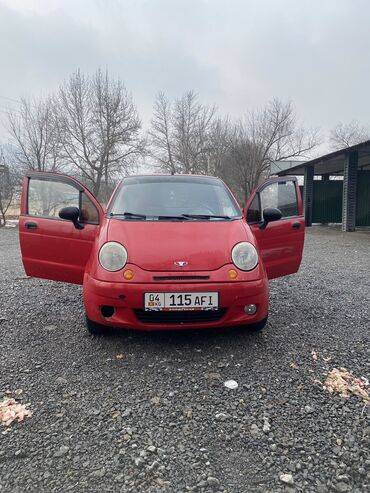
174	198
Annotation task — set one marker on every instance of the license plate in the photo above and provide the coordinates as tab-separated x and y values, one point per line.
181	301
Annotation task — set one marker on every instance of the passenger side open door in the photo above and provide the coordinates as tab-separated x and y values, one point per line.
280	241
53	248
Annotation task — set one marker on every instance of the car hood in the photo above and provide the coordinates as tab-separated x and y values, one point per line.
156	246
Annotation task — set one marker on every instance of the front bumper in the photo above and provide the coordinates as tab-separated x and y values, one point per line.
127	298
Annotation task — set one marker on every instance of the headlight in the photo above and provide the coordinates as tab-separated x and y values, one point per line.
112	256
244	256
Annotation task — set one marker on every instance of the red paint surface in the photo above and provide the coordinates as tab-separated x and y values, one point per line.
56	250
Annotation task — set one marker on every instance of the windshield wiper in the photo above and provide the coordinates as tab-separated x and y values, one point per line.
204	216
173	218
129	215
182	217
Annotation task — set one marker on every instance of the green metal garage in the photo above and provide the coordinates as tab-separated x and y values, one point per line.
337	187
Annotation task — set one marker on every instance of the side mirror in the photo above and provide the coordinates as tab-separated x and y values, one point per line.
71	214
270	214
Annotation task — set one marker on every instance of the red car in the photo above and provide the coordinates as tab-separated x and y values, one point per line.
169	252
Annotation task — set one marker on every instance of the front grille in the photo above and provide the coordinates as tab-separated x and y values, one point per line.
180	278
179	317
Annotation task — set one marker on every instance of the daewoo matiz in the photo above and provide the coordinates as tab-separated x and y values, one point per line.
169	252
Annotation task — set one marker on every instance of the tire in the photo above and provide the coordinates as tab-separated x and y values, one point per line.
94	328
258	326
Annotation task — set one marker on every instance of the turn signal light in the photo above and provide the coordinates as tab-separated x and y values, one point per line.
232	274
128	275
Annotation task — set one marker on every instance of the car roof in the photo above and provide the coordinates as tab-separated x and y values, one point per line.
162	178
168	175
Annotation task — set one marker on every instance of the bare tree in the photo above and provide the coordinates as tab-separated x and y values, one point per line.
348	134
161	134
98	128
187	137
192	123
263	137
35	140
219	144
9	184
180	133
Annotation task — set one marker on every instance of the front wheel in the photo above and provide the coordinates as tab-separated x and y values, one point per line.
258	326
94	328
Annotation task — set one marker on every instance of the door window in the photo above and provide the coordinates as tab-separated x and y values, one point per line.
254	211
47	197
281	195
88	211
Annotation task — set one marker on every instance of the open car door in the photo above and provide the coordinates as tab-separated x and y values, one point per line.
53	248
281	241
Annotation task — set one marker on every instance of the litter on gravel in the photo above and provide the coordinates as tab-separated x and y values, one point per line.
342	382
231	384
11	410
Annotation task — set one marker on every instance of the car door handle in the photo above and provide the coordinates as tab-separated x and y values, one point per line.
30	225
296	225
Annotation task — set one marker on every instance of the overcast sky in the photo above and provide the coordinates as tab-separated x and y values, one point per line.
237	54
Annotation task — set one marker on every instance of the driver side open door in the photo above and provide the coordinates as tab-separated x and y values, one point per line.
52	248
281	242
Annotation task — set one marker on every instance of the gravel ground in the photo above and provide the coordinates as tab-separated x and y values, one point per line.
159	419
